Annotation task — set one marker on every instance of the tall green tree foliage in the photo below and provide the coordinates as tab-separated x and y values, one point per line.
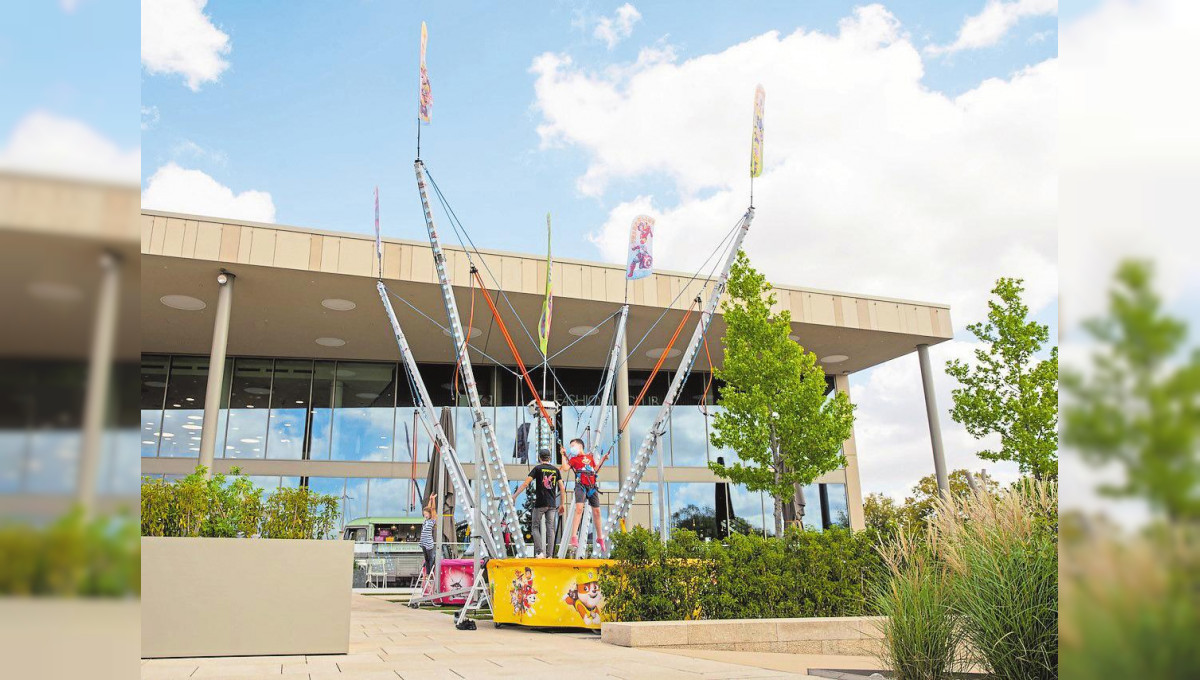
1139	405
1010	392
775	413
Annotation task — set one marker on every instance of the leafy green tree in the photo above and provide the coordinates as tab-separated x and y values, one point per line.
1009	392
887	517
1139	405
775	413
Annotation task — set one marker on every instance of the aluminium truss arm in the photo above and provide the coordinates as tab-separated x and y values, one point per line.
496	473
458	478
658	428
600	420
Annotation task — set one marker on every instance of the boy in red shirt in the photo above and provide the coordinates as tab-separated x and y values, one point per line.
586	491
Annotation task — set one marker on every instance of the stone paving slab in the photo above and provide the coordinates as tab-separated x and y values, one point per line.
390	640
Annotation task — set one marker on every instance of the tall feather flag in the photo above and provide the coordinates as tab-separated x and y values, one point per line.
425	100
641	248
548	305
378	239
756	144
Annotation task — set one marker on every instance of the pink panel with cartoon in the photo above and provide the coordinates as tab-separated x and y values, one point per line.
547	592
456	574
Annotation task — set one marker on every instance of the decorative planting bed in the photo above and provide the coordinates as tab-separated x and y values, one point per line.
850	635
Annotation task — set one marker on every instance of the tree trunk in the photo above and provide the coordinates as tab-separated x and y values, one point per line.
778	465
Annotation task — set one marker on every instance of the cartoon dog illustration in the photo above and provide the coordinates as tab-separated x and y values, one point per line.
523	595
585	596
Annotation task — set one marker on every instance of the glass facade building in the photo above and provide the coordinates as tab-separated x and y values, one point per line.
287	409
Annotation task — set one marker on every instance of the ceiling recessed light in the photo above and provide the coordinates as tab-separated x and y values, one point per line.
55	292
195	417
190	426
185	302
583	331
834	359
366	395
249	440
330	342
475	332
256	390
147	441
156	383
338	304
659	351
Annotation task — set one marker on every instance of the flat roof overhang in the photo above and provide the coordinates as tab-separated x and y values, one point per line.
284	273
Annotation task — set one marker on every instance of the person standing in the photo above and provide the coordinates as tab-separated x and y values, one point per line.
586	490
426	541
548	501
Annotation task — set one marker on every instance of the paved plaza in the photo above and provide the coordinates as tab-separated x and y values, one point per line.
389	640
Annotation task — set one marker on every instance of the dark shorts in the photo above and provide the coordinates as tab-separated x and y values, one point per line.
581	495
428	566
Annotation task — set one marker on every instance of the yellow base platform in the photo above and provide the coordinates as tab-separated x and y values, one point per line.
547	592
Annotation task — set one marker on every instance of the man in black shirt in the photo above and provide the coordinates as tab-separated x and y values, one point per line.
548	500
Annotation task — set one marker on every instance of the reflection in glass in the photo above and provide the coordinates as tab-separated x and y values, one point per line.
689	437
812	507
392	498
154	392
355	499
290	393
249	399
322	410
332	486
748	508
183	410
364	411
839	514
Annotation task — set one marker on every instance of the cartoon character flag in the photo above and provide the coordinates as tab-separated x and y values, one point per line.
548	305
756	145
641	248
425	101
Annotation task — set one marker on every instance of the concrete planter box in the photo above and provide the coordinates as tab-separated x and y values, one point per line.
245	597
850	635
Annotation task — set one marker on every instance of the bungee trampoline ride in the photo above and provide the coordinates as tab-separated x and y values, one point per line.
503	574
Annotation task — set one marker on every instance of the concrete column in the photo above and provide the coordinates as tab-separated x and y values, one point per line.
95	405
935	429
216	371
622	400
854	496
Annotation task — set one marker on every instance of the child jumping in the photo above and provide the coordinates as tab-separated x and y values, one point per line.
586	491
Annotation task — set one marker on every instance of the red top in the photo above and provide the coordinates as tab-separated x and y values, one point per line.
578	463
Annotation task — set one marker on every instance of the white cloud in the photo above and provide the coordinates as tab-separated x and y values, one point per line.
873	184
188	148
45	143
616	28
183	190
178	37
892	431
995	21
149	117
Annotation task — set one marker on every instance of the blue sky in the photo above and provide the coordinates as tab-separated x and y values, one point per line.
318	105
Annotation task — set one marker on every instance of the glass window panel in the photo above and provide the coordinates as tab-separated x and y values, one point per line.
183	413
321	423
120	465
53	461
639	427
354	500
812	507
290	397
13	444
290	482
747	509
332	486
411	437
393	498
364	411
839	514
249	399
689	437
154	392
693	507
729	455
268	484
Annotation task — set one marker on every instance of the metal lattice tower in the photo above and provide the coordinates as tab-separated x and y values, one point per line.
658	428
497	489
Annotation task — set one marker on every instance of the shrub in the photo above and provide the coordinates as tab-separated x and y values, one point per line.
97	558
921	635
1003	552
231	506
806	573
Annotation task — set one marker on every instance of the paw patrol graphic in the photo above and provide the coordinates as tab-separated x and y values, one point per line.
523	595
584	595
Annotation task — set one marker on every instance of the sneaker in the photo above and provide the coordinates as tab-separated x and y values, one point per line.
574	541
541	556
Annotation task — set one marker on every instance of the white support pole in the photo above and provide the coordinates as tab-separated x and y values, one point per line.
424	408
492	457
216	372
935	429
664	522
600	420
658	428
95	405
